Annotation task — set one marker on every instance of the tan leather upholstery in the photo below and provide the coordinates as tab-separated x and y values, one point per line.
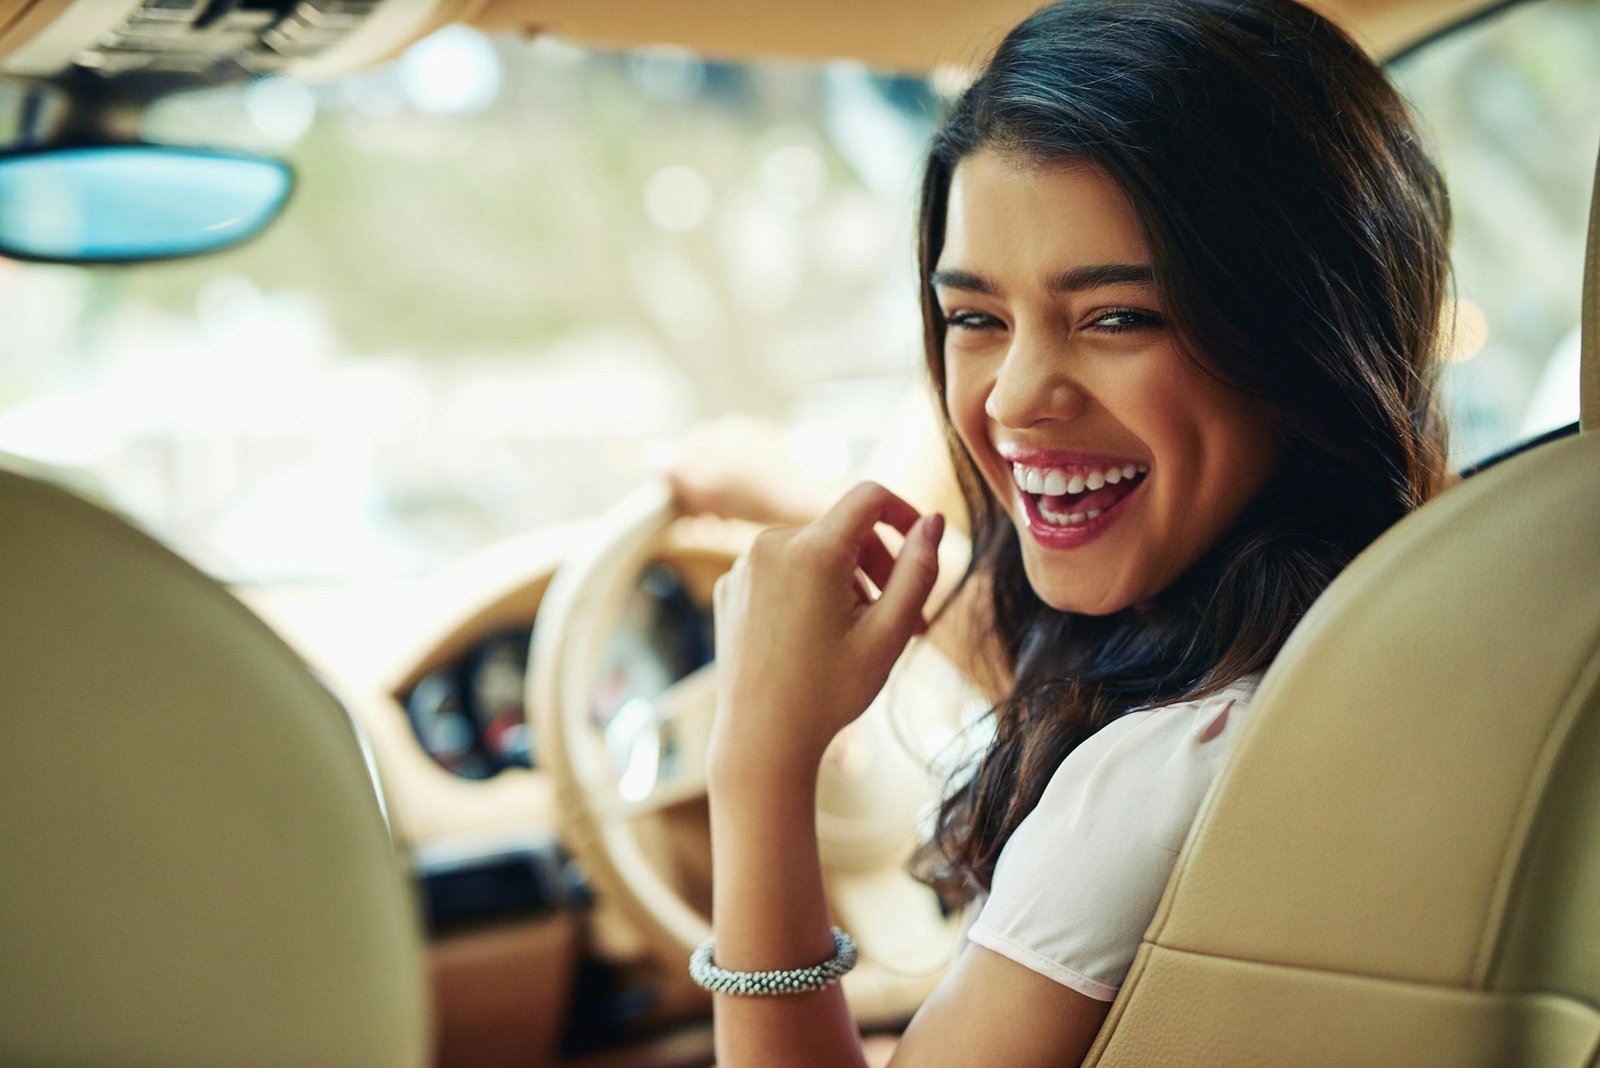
1401	863
193	866
1589	388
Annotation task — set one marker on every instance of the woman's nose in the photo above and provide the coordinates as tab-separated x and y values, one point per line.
1034	385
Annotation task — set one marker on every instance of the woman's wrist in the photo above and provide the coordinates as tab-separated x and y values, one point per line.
761	777
749	763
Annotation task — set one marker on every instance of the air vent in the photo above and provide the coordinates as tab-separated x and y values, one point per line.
220	40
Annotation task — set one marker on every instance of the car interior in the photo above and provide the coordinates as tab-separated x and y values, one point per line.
490	846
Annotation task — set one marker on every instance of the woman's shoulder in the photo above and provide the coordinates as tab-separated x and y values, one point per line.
1078	881
1148	769
1197	727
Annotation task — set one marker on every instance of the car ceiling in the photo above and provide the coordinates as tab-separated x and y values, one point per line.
157	43
906	35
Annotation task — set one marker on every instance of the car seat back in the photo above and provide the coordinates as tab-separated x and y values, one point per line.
194	868
1401	863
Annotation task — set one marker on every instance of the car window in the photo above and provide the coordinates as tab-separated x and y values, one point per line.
510	268
1509	108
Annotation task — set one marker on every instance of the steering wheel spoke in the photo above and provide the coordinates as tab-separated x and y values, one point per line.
657	747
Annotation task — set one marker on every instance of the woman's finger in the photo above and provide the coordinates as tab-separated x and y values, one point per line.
898	611
875	559
862	508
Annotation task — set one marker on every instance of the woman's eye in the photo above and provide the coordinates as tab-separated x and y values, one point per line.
1119	320
970	320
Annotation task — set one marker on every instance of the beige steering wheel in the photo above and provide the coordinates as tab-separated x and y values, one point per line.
626	785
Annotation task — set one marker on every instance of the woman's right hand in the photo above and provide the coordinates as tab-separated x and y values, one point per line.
803	645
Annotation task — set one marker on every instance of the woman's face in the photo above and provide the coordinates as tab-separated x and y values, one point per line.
1119	461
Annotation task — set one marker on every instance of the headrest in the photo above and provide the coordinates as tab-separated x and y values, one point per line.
194	866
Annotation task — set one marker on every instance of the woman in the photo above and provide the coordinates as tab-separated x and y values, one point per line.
1184	271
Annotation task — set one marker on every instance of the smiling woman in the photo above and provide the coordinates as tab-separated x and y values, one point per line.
1062	375
1185	272
1277	375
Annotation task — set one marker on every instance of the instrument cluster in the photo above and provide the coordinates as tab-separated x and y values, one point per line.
470	714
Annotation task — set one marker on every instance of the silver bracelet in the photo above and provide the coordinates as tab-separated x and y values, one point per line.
763	984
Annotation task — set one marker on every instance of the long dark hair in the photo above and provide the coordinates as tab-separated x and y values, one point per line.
1299	237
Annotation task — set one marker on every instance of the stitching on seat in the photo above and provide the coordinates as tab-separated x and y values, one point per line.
1374	977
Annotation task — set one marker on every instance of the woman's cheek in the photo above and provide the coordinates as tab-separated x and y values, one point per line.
964	403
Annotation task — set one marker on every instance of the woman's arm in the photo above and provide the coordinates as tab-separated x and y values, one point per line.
802	649
991	1010
770	912
801	653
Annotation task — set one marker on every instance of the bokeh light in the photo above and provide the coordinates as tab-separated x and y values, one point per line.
453	72
677	198
281	109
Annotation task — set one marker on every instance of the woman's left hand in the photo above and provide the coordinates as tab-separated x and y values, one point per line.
802	645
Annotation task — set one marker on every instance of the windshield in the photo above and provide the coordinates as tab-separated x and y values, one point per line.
510	269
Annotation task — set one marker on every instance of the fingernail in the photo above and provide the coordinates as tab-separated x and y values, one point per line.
933	529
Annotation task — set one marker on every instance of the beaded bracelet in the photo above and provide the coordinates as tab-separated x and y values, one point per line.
766	984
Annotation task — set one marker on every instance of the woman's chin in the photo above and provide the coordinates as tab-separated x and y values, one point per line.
1078	598
1080	608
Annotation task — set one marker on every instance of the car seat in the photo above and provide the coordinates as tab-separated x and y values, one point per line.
1401	863
194	867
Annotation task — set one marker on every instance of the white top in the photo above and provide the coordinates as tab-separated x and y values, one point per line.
1079	880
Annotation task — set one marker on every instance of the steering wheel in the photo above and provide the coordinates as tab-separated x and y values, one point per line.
628	779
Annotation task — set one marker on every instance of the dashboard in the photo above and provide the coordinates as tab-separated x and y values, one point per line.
469	713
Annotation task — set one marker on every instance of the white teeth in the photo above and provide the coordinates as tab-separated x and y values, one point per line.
1055	482
1062	519
1094	513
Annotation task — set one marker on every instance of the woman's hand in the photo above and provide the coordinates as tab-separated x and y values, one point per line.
803	646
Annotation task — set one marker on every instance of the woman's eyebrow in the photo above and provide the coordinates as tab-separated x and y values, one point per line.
1077	279
1104	274
955	278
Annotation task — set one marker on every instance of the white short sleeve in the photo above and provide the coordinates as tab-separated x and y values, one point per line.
1079	881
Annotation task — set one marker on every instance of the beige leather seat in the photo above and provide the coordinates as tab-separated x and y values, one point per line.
1401	864
194	869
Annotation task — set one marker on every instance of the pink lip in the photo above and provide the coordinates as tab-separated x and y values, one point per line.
1050	536
1054	458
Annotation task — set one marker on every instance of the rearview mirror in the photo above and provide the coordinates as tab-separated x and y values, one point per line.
124	203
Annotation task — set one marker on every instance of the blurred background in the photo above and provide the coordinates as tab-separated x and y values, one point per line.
515	270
